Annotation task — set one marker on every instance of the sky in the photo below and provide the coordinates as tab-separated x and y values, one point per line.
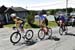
38	4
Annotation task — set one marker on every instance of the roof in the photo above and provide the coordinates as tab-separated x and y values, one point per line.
2	9
9	10
18	9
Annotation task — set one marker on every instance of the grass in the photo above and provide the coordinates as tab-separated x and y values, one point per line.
9	25
50	24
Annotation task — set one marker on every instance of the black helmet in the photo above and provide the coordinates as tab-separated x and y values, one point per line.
42	12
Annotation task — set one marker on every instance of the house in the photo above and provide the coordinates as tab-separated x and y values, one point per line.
5	13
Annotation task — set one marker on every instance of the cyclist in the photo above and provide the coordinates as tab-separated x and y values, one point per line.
61	21
19	23
43	22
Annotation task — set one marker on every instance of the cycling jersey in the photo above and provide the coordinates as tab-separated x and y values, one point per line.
62	18
19	23
42	17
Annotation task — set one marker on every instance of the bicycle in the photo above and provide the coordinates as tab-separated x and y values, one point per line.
17	36
42	34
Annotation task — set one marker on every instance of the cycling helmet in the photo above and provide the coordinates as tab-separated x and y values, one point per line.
13	15
42	12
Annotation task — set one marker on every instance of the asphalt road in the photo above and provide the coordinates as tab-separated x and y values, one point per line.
65	42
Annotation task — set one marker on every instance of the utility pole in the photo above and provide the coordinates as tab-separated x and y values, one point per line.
66	7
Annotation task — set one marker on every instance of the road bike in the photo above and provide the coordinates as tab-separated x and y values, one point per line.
16	36
42	34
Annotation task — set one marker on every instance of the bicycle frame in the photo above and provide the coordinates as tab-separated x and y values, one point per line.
44	29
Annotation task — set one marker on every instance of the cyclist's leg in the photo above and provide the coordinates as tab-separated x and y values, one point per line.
60	23
46	29
43	27
64	26
22	28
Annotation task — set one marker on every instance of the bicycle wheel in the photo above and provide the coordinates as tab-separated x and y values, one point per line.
60	31
41	34
49	32
29	34
66	30
15	37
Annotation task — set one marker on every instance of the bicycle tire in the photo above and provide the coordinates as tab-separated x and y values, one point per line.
50	31
60	31
39	34
12	36
31	35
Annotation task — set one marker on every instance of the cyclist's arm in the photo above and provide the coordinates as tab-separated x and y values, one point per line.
41	22
19	21
16	23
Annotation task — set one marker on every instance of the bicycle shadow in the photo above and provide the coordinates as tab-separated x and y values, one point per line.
27	43
53	38
71	34
31	42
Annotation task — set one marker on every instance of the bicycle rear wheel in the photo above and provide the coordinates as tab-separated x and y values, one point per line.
15	37
29	34
49	32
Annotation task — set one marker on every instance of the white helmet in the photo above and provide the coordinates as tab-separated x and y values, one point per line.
13	15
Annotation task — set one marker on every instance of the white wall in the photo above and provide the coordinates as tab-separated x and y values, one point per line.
36	17
49	17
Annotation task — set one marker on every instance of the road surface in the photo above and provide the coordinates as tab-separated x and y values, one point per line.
65	42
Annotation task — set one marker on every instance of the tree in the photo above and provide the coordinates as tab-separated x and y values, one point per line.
70	10
31	16
52	12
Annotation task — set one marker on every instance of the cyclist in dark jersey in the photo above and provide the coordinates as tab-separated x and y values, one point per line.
62	21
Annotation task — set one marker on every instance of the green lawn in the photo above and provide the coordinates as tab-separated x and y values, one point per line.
9	25
51	24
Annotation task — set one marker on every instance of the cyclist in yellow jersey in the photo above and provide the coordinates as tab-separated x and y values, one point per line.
18	22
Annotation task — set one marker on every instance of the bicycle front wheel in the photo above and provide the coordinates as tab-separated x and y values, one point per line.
15	37
60	31
41	34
